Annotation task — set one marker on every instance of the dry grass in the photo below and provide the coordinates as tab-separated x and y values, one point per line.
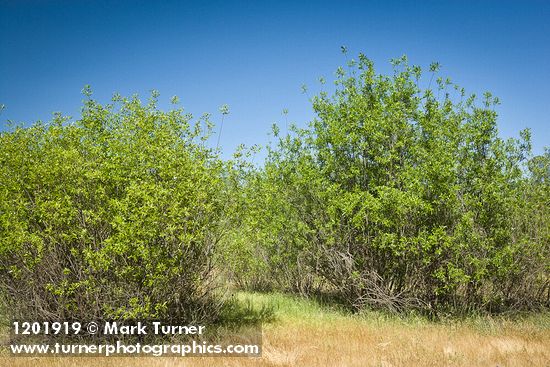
308	335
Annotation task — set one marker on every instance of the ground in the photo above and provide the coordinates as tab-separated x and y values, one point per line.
303	333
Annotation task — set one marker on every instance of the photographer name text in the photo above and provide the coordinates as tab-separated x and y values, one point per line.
155	328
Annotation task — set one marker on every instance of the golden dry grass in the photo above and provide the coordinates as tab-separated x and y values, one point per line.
307	335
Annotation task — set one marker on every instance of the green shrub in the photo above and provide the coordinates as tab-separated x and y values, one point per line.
113	216
401	197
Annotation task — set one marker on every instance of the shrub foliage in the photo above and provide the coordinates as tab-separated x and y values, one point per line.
401	197
113	216
396	196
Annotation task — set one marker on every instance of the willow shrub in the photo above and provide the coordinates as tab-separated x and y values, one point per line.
113	216
398	196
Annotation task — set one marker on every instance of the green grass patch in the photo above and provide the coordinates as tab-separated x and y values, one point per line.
278	307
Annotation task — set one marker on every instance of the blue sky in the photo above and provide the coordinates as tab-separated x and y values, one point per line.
254	55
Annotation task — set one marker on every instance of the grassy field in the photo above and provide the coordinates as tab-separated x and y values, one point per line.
304	333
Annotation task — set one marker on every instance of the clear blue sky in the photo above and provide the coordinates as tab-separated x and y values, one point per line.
255	55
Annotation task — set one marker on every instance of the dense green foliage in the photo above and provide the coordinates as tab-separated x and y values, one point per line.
399	197
395	197
113	216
